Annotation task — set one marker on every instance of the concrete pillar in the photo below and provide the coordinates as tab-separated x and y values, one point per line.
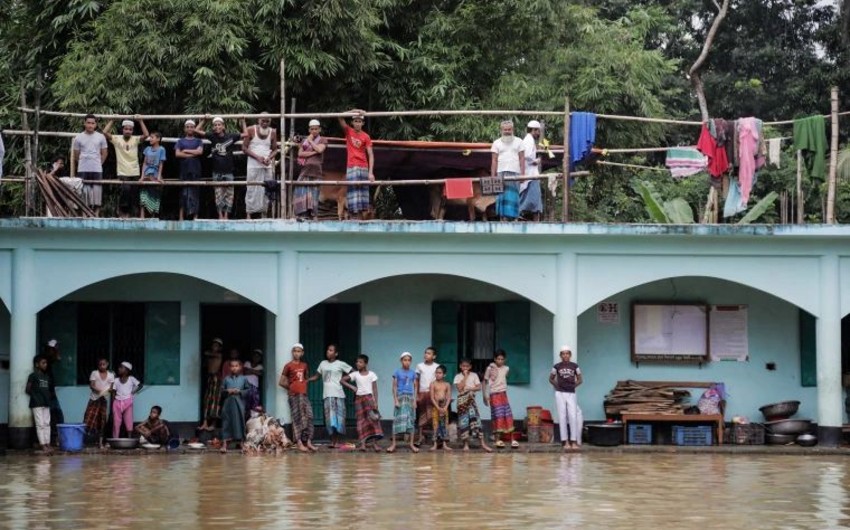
565	321
23	346
830	403
286	328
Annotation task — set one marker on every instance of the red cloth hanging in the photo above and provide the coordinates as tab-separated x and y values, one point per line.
718	162
458	188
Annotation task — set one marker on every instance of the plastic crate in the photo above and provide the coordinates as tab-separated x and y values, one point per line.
640	433
745	434
697	435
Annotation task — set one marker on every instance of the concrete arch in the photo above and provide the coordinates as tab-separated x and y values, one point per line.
321	276
252	276
792	279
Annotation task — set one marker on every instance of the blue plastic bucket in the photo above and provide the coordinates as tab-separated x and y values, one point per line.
71	436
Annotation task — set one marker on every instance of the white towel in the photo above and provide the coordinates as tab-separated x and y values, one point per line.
774	149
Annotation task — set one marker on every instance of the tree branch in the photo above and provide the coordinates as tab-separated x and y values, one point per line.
694	72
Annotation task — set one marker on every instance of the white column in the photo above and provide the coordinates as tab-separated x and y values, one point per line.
830	410
23	346
286	323
565	321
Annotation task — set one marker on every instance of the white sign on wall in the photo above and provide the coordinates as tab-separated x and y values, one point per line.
608	313
728	339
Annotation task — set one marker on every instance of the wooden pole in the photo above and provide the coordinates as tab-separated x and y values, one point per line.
833	158
27	154
565	214
283	141
291	189
800	212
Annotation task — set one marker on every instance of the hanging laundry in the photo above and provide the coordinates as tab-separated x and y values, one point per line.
458	188
810	137
582	135
748	151
685	161
774	151
718	163
733	204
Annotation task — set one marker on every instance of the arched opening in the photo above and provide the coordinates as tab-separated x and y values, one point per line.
778	365
161	323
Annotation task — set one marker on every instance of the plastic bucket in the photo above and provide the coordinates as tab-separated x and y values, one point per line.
71	436
533	415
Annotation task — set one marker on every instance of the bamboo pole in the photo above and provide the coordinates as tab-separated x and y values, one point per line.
833	158
290	189
62	114
281	200
799	188
27	154
631	166
565	214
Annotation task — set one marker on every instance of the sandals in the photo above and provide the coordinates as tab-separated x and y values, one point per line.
500	444
515	444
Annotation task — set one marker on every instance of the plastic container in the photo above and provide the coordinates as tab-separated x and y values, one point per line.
541	434
533	415
71	436
640	433
693	436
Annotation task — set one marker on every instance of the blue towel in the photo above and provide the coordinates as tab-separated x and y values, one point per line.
582	136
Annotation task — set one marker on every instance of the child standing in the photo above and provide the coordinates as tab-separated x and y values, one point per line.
253	369
404	380
294	380
123	389
468	417
331	371
360	164
154	161
234	387
365	403
97	411
425	375
496	397
38	389
566	377
441	397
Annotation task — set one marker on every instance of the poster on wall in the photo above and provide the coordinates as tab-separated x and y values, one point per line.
671	333
608	313
728	333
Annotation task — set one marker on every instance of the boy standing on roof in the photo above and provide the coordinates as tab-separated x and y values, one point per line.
530	198
360	165
189	150
508	160
221	153
126	161
90	153
260	146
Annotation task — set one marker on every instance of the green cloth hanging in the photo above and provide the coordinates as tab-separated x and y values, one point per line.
810	137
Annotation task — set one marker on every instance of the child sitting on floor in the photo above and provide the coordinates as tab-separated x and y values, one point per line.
154	430
441	397
365	403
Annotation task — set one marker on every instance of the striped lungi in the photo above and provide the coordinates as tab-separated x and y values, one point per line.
500	413
306	198
404	415
212	398
368	418
302	417
335	415
507	202
357	196
423	410
95	417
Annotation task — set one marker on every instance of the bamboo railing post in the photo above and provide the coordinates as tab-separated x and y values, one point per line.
833	158
565	215
281	200
27	154
291	190
800	211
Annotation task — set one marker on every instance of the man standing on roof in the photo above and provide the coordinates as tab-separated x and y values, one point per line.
260	147
189	150
221	153
530	198
90	153
311	153
126	161
508	160
360	165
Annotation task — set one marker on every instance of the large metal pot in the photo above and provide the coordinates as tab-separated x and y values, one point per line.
123	443
780	439
807	440
780	411
789	426
605	434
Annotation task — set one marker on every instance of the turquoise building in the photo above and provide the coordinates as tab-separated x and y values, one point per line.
156	293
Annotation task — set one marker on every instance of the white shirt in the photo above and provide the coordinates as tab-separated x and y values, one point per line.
508	159
471	381
253	380
363	382
100	384
125	390
331	376
529	143
427	374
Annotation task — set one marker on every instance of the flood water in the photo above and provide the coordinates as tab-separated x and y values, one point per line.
426	491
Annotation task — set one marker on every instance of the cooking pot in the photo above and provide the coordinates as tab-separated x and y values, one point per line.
807	440
779	439
605	434
780	411
789	426
123	443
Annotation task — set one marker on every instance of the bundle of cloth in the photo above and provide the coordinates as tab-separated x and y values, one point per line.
264	434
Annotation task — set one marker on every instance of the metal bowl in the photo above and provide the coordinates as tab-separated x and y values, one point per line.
807	440
123	443
789	426
779	439
780	411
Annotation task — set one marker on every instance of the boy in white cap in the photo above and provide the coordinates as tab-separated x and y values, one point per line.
311	154
294	379
530	198
260	147
126	160
221	155
124	388
566	377
404	414
189	150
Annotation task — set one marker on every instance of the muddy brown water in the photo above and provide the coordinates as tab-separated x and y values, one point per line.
426	491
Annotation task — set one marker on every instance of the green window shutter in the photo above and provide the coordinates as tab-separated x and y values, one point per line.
348	327
808	350
312	336
162	343
513	334
59	321
445	334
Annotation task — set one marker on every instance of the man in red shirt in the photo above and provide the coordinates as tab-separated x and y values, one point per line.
360	165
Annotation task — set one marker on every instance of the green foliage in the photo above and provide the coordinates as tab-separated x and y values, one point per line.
759	209
652	202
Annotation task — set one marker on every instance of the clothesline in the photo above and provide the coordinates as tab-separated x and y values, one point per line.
632	166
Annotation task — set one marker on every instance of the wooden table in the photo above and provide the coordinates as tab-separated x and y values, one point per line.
716	419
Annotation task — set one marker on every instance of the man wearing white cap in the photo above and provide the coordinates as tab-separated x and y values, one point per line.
260	147
530	198
221	155
311	154
189	150
90	151
126	161
566	377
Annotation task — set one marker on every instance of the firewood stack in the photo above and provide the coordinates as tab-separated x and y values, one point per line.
633	397
59	199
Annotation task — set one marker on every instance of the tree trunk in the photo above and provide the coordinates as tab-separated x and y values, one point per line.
694	72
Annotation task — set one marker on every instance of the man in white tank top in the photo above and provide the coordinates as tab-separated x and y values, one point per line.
261	149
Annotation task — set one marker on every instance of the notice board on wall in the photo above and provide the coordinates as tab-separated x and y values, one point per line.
728	333
669	332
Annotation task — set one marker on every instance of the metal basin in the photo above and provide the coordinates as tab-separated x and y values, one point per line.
780	411
605	434
807	440
789	426
123	443
779	439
